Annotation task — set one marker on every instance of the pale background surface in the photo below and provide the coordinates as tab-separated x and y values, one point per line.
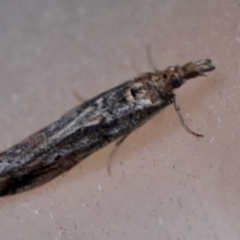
170	185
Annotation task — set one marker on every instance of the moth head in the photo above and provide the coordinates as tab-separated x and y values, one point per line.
171	78
188	71
174	77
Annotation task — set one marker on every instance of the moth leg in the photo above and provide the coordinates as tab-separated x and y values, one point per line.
78	96
150	60
115	149
177	109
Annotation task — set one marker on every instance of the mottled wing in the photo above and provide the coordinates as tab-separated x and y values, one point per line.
61	145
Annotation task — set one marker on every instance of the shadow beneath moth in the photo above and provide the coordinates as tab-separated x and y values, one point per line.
92	125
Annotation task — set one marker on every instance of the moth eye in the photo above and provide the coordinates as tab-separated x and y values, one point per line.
165	76
176	82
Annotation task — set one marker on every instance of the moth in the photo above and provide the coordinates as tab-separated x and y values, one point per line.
111	115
